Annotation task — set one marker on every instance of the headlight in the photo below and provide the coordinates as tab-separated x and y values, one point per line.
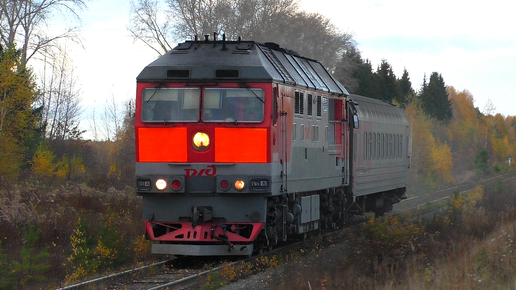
161	184
239	184
201	140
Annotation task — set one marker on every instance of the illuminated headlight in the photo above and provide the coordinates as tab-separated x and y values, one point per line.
239	184
201	140
161	184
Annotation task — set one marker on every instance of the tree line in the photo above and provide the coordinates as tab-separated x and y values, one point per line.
39	117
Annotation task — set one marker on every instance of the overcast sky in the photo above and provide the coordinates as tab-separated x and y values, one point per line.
472	44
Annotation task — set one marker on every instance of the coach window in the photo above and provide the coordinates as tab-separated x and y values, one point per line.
369	145
395	145
390	145
374	146
365	145
378	147
170	105
294	132
400	146
386	146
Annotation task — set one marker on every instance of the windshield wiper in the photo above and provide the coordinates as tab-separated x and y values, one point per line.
155	91
255	95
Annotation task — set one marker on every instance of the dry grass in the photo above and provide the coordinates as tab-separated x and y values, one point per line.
55	212
470	245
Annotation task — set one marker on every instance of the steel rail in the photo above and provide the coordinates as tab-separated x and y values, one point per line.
84	283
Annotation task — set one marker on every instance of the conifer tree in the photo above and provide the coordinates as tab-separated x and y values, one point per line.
405	89
387	88
356	74
32	262
434	99
7	280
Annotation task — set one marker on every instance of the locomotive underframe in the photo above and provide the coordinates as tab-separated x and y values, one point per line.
300	214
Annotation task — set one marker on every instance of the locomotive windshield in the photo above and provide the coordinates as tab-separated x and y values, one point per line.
219	105
233	105
170	105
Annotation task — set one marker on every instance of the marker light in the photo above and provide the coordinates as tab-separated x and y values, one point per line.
161	184
201	140
176	184
239	184
224	184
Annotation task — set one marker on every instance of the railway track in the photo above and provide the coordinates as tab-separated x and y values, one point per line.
169	279
184	272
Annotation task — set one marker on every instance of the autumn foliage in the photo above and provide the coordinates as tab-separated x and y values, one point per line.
471	143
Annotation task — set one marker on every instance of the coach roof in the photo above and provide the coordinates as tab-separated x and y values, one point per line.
239	61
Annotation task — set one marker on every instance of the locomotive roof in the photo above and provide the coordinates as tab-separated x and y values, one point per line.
239	61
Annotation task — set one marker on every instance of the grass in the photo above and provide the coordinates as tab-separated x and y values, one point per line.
79	233
86	233
469	244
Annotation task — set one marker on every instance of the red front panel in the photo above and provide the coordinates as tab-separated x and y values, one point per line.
238	145
230	142
162	144
229	145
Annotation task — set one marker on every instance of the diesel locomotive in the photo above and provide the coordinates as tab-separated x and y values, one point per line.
243	145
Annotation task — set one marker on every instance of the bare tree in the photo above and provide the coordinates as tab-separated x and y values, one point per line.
25	22
60	99
149	27
280	21
112	119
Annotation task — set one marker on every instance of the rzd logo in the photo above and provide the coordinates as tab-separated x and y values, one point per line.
210	171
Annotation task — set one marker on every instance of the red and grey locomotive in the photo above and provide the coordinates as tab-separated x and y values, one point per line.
241	145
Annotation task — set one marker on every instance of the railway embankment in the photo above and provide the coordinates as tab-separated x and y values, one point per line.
465	241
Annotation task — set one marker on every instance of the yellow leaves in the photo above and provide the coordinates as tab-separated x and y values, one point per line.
16	119
11	156
43	165
440	150
464	202
442	165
